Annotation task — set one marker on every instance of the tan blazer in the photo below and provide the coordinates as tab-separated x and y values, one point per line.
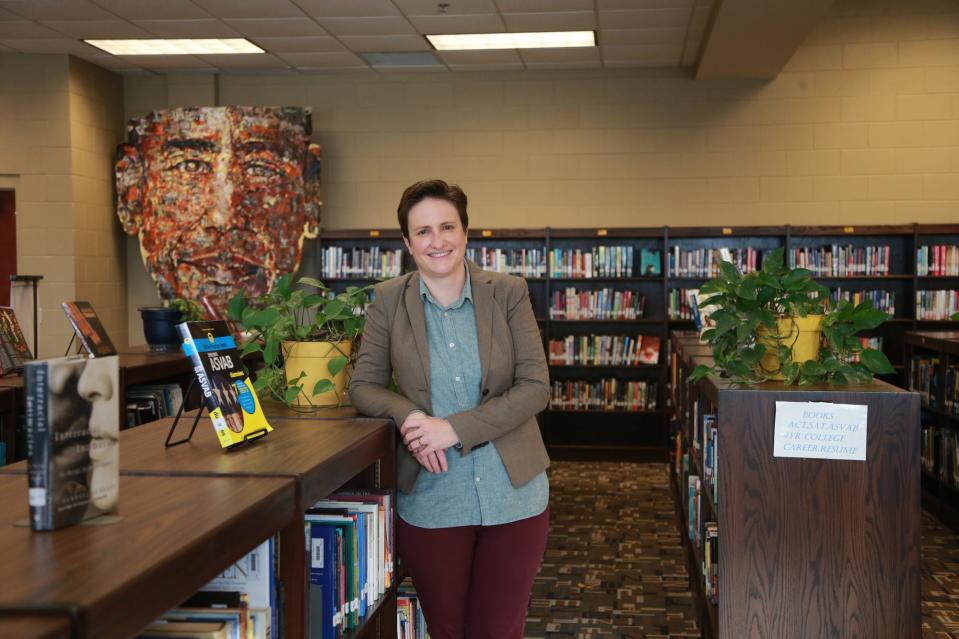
515	381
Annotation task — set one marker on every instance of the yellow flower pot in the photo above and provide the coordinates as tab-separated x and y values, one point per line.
314	359
802	334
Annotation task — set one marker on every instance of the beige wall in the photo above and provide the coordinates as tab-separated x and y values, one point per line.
861	127
53	111
96	126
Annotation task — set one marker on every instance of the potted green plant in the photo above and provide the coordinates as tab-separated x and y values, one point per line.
762	320
306	336
159	322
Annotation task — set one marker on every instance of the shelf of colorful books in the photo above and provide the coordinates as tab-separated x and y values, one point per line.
607	321
705	609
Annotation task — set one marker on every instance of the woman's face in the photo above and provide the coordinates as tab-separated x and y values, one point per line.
96	387
437	239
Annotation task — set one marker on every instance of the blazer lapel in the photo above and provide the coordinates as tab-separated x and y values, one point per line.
414	310
483	308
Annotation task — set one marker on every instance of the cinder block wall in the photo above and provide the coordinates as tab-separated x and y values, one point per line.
862	127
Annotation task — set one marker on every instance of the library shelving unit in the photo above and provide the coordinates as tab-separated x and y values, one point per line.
806	547
186	514
644	435
932	367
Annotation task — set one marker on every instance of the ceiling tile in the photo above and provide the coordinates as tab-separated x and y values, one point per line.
645	19
58	10
208	28
458	24
348	8
244	61
494	56
107	61
616	5
456	7
366	44
49	45
99	29
510	66
169	62
8	15
641	36
367	26
25	29
251	8
564	65
323	60
528	6
651	63
310	44
644	51
276	27
552	21
578	54
153	9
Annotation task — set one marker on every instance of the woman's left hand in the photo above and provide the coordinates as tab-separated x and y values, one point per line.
423	434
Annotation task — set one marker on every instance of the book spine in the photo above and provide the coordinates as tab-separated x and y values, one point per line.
209	400
39	448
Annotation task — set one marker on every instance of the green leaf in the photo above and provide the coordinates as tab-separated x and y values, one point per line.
250	347
747	288
290	394
796	279
271	351
730	271
315	283
266	317
237	304
876	361
336	365
323	386
774	261
700	372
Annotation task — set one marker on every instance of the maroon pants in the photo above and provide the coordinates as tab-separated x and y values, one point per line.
474	582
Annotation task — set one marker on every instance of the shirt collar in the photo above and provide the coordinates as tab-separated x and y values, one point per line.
467	293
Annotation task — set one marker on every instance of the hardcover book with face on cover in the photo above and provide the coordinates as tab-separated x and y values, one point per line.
73	424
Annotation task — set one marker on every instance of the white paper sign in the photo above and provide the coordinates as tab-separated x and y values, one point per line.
820	430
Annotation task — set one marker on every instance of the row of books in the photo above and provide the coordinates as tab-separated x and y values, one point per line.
606	394
351	542
522	261
602	304
950	390
604	261
842	261
681	303
936	305
241	603
882	300
939	452
710	440
361	262
937	260
704	262
146	403
410	621
923	378
604	350
704	535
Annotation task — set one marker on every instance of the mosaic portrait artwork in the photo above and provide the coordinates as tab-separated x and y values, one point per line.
221	198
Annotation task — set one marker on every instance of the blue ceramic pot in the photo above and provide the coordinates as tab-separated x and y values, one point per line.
159	327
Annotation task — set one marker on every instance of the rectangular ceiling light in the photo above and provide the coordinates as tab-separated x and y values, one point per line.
535	40
179	46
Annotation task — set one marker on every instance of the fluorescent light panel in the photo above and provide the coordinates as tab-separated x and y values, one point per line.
179	46
533	40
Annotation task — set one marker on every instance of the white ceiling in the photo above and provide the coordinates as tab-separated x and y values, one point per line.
318	35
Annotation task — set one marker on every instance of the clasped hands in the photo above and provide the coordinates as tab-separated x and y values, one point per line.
427	439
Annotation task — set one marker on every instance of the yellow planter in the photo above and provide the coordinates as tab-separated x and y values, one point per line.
802	334
314	359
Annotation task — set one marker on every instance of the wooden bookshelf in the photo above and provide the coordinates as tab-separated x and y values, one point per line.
173	535
647	437
314	457
8	422
779	574
52	625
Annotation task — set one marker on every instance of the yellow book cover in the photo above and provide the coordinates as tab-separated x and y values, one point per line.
227	390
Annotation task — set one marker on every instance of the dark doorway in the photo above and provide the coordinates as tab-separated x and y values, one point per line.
8	243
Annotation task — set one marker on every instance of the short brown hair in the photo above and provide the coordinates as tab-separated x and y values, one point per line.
438	189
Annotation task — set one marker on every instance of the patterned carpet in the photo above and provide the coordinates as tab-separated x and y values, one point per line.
614	566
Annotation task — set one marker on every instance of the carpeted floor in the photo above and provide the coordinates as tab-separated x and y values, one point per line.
614	565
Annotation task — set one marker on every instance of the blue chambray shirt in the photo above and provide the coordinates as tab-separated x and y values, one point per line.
476	489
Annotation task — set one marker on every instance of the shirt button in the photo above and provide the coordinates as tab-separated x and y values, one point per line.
477	479
452	345
445	314
457	378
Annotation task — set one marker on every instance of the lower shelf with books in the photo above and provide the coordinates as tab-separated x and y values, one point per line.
706	609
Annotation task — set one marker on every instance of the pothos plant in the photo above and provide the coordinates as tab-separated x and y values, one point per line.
314	313
744	303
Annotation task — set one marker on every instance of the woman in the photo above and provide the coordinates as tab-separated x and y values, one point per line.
466	354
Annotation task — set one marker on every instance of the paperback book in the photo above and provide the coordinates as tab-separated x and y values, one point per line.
89	329
73	424
14	351
226	388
